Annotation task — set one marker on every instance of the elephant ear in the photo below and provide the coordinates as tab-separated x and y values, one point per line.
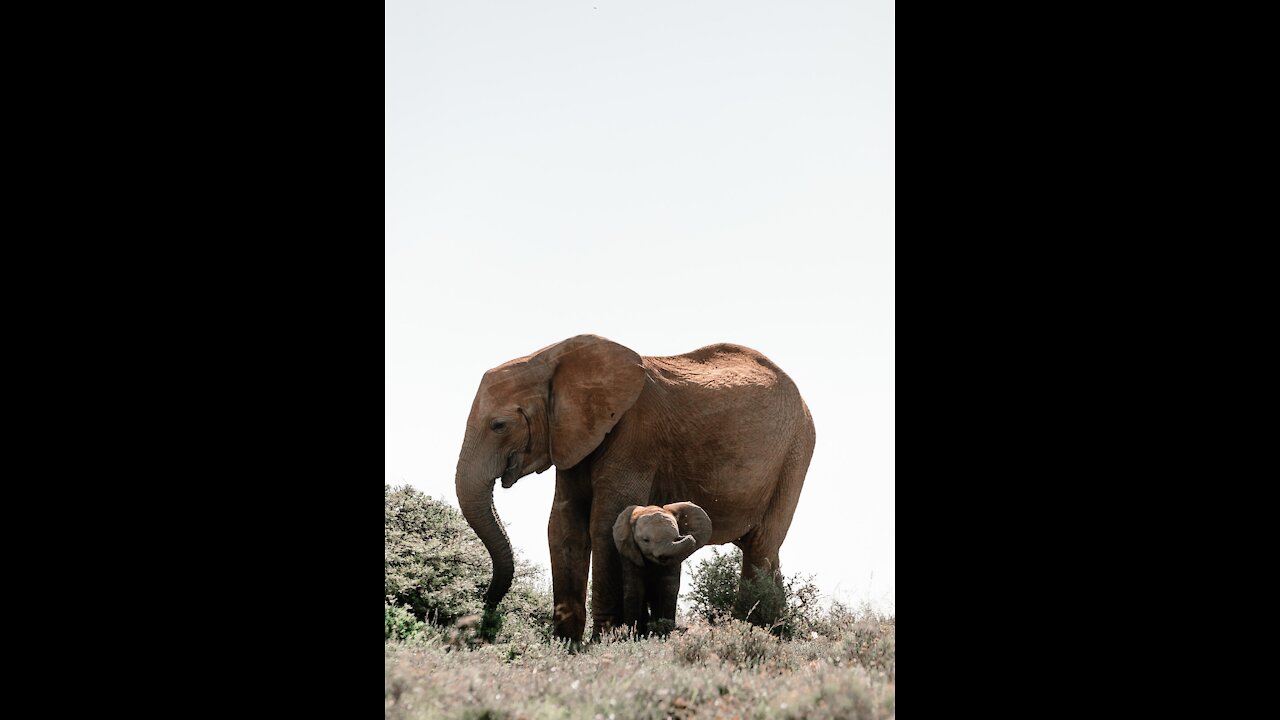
593	382
624	538
692	520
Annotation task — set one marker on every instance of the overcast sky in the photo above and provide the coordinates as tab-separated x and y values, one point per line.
667	175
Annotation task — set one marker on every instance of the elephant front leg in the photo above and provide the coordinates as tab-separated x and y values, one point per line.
570	540
612	490
665	587
606	569
606	584
668	591
633	596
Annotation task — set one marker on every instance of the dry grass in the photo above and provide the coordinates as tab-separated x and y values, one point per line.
725	671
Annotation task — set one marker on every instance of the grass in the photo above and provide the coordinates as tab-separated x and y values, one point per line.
728	670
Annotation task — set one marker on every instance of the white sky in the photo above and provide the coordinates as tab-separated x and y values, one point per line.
667	175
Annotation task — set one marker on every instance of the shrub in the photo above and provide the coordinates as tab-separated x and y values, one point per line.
872	645
761	600
744	644
436	569
787	610
802	609
401	624
730	640
713	585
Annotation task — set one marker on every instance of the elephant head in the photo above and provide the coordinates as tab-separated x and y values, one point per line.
664	535
552	407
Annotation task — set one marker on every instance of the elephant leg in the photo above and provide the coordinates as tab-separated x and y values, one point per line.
615	484
633	596
570	541
757	558
606	562
606	571
666	588
756	561
760	546
642	622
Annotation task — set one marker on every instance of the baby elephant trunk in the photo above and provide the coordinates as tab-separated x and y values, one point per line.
677	551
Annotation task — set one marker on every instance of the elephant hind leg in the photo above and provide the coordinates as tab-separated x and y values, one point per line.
762	543
760	546
753	602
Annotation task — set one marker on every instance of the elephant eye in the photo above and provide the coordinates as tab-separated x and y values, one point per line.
644	539
498	425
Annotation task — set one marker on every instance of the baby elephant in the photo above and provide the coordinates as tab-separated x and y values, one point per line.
654	541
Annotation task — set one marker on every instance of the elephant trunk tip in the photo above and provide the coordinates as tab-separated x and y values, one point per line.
680	550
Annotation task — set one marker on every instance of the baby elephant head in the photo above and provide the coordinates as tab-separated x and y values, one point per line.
664	535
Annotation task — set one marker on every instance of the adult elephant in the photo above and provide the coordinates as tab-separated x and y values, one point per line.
722	427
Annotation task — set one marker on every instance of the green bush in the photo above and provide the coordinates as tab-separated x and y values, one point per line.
436	569
401	624
787	610
713	585
761	601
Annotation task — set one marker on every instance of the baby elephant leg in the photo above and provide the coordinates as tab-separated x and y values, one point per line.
665	586
633	596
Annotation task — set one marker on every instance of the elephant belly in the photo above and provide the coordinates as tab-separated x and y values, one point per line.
735	504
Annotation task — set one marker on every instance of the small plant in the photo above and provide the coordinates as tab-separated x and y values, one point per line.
745	644
871	644
788	610
761	601
401	623
490	624
730	640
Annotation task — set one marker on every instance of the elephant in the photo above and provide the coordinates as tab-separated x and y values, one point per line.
721	426
653	541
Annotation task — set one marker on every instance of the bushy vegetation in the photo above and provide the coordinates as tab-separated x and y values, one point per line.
401	623
728	670
445	659
713	585
787	610
435	572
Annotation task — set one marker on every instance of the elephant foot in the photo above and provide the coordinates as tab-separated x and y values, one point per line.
573	647
569	621
600	629
662	627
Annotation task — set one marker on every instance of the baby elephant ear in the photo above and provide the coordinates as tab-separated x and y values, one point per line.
623	538
692	519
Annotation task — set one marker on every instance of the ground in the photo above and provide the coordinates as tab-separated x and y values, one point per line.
730	670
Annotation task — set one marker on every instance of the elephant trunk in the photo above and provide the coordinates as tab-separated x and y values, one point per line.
681	549
475	498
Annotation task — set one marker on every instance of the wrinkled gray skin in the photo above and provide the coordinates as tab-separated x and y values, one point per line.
653	542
